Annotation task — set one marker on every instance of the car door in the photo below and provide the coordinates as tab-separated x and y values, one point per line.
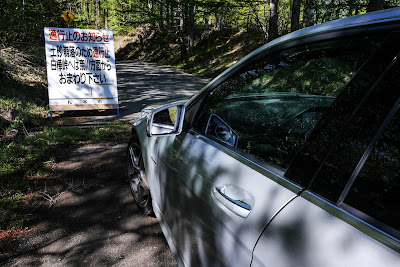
215	204
349	214
223	178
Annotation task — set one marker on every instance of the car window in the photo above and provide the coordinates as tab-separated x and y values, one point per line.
376	190
325	138
269	110
354	139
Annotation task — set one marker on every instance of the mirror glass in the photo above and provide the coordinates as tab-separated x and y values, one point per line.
166	116
166	121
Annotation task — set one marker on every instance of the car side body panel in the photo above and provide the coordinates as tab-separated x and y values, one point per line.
208	227
303	234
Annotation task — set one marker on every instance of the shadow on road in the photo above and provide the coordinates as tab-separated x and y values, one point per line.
89	218
141	84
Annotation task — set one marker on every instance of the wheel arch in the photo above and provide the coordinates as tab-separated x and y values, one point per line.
139	136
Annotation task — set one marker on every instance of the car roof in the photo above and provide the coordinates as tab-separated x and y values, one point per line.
389	16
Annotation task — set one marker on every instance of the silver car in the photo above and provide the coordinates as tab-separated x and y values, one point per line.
288	158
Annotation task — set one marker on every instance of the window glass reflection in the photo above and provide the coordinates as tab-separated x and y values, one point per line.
275	105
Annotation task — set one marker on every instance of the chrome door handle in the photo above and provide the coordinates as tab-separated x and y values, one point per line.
235	199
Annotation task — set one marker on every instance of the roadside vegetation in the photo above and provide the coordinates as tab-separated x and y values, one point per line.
27	161
31	144
210	56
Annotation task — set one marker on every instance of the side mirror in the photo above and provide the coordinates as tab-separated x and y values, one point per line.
166	120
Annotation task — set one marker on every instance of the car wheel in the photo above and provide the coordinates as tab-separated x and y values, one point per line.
136	176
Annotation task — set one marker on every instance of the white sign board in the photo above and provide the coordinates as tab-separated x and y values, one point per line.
80	69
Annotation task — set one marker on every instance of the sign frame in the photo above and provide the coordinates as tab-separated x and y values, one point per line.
81	70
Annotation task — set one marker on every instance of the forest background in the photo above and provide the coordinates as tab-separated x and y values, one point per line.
203	37
191	34
178	24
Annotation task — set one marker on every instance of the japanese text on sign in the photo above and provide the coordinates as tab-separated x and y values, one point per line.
80	69
78	35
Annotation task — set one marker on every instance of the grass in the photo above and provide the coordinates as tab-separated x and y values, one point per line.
30	145
23	94
27	159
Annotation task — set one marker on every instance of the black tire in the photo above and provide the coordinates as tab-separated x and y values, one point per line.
136	176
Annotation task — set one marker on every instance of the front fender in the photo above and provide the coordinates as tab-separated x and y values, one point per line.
148	147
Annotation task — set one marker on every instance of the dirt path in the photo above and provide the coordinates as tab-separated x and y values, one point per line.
88	218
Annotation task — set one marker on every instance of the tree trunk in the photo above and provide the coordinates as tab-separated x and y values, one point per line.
150	6
23	15
181	25
309	13
374	5
88	14
206	23
190	29
248	22
356	10
273	20
260	24
172	15
167	14
161	16
97	13
328	13
106	15
295	16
